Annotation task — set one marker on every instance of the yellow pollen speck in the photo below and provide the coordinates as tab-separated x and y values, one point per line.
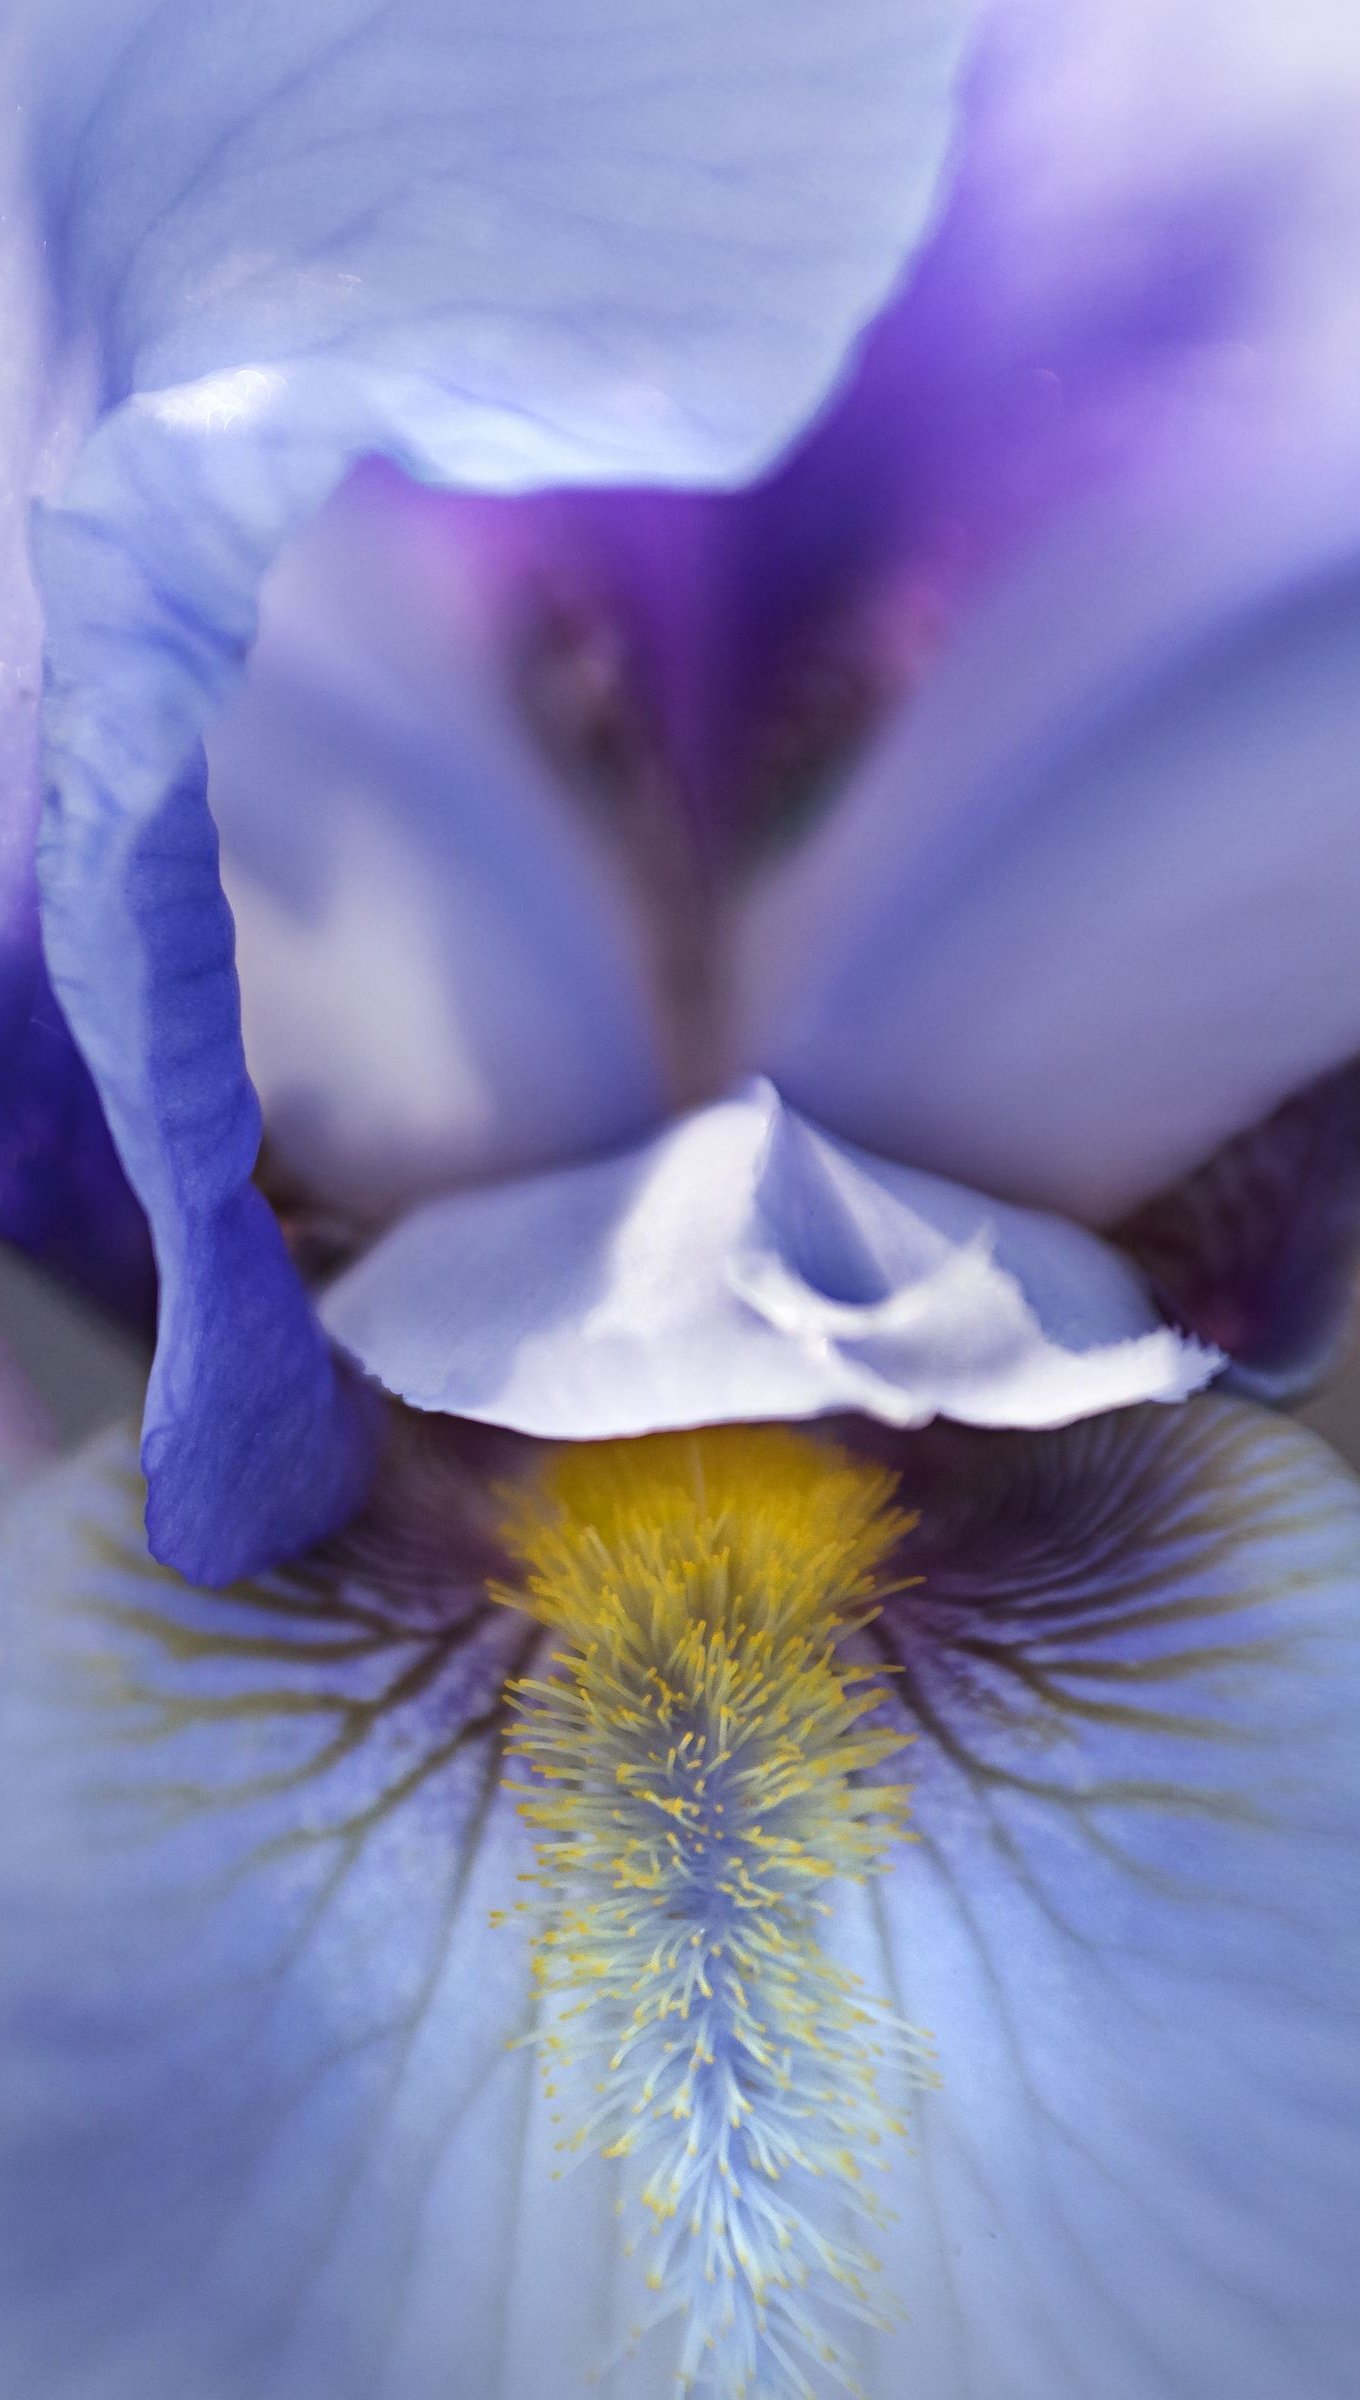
704	1756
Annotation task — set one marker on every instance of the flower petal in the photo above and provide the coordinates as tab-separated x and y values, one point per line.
251	1997
1150	951
269	2124
500	250
1257	1252
261	2129
63	1197
444	976
743	1265
1132	1918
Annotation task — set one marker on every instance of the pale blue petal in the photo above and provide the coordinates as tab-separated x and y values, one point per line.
251	1998
1132	1919
261	2129
741	1265
445	974
1132	932
497	246
1153	407
269	2125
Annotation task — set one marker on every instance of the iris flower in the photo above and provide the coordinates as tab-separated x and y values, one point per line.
699	1759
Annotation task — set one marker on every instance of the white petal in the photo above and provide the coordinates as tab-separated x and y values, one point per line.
743	1265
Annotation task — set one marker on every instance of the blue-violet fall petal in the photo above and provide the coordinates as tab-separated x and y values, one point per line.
64	1199
1132	1917
264	2128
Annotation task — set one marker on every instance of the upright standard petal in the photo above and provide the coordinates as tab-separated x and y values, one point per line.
1056	811
499	248
742	1265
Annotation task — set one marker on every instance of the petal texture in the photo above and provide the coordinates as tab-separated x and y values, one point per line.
744	1265
1132	1918
265	1840
498	247
262	2129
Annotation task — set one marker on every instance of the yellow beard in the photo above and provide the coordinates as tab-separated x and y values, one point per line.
704	1766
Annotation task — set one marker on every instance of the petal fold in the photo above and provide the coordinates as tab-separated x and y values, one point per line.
742	1265
494	246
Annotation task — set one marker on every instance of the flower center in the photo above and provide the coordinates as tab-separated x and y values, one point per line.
704	1763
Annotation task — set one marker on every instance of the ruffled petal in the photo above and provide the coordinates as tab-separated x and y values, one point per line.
494	248
1131	1919
1257	1251
742	1265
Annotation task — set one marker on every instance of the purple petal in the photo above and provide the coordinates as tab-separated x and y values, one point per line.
1015	952
254	1440
1141	942
64	1199
1129	274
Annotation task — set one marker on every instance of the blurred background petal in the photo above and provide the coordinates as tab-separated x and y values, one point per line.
1154	947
